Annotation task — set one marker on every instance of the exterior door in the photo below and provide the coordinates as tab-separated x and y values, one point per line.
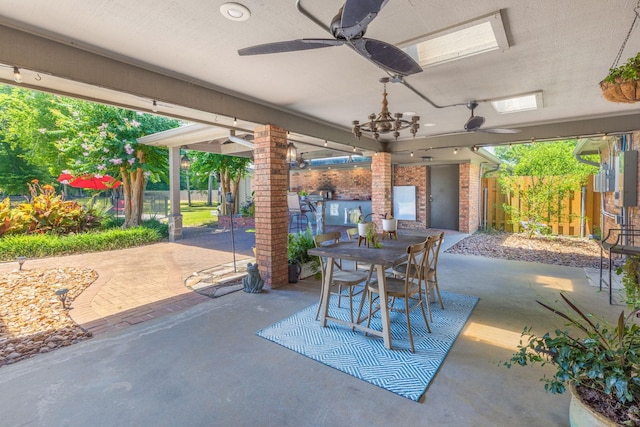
443	197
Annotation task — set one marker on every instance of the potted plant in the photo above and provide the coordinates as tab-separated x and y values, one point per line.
599	362
299	259
303	195
363	225
622	84
389	223
372	236
630	271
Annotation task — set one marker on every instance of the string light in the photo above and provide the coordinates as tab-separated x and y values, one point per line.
325	142
154	107
354	148
235	121
455	151
412	154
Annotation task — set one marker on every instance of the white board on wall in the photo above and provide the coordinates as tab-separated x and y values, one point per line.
404	202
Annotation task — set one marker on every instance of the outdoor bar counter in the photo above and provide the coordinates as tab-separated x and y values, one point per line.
344	211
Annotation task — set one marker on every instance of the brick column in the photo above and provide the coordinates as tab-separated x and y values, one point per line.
381	186
469	197
270	186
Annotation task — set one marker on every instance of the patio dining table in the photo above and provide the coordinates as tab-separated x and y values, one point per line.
392	253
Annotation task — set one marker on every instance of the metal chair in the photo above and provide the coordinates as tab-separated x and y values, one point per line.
296	213
619	241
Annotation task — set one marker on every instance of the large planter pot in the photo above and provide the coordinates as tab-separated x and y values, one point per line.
389	224
294	272
582	415
362	229
306	270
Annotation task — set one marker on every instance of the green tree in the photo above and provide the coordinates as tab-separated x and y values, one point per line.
554	172
231	169
19	137
103	140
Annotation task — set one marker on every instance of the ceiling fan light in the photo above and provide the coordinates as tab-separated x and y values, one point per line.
474	123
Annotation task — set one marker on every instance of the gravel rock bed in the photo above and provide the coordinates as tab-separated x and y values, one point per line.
32	320
557	250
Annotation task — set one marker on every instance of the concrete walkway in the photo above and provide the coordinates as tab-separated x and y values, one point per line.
204	365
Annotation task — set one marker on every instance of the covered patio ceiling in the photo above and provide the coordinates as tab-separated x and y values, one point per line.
184	57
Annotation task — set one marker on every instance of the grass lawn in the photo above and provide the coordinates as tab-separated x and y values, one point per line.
198	214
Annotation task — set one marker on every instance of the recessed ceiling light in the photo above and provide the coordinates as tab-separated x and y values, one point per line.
235	11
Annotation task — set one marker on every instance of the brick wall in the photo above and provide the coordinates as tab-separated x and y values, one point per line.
414	175
271	218
381	192
348	183
469	193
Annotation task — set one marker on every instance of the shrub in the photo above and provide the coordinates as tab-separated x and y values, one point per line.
43	245
46	212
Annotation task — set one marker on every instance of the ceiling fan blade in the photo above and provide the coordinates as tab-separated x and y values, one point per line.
499	130
289	46
386	55
357	14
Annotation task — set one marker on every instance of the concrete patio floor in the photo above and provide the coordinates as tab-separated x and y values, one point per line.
204	366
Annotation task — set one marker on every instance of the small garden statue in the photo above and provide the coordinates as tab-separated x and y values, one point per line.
252	282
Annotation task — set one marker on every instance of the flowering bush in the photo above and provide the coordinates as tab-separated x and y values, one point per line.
46	212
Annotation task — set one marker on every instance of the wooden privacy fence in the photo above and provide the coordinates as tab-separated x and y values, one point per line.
568	223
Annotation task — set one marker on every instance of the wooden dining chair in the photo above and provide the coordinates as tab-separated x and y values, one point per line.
430	277
432	290
408	288
342	278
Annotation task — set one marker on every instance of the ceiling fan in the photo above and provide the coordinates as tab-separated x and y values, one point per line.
474	123
348	27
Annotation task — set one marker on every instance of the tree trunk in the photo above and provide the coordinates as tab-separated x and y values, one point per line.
133	190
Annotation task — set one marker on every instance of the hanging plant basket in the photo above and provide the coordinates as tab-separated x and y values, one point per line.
621	90
623	82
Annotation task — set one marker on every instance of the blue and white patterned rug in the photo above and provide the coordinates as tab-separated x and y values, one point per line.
399	371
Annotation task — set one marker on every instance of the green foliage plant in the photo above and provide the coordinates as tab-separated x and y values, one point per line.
553	172
630	270
46	245
630	70
299	244
248	208
46	212
591	353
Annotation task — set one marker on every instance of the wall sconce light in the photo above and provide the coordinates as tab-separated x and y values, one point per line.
292	152
185	162
21	260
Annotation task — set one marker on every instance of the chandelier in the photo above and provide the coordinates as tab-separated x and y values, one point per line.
385	122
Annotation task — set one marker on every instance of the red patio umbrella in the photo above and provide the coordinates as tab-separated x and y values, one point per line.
91	182
65	178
